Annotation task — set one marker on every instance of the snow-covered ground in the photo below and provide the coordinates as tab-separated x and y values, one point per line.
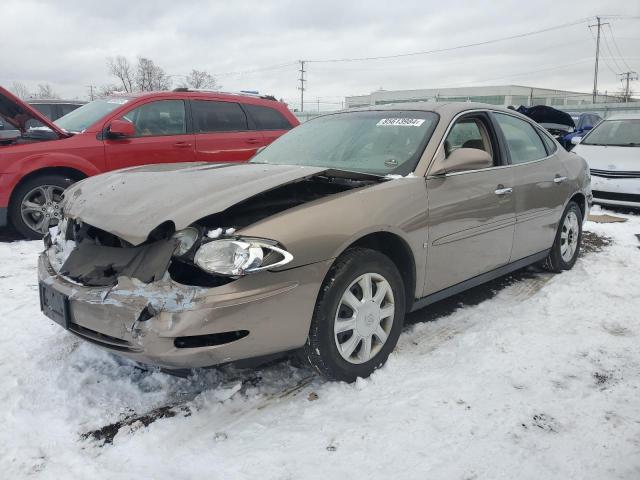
539	380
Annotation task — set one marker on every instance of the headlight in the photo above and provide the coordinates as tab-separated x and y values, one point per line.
239	257
186	237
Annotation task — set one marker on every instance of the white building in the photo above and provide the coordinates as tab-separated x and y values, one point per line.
495	95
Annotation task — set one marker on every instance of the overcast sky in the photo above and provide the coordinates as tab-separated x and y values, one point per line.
66	42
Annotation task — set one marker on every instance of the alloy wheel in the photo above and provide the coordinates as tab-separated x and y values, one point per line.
569	237
40	208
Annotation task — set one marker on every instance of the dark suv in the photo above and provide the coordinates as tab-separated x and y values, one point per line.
43	158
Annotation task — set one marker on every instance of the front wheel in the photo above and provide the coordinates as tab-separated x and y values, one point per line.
566	247
36	204
358	316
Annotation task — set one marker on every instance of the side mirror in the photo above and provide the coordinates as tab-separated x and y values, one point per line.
462	159
576	140
121	129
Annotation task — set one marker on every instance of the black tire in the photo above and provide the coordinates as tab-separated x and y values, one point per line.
554	261
19	194
321	351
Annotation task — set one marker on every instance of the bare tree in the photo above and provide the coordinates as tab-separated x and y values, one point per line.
20	89
200	79
150	77
108	90
46	91
120	68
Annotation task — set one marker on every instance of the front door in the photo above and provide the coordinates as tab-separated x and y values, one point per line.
223	133
471	213
161	137
539	185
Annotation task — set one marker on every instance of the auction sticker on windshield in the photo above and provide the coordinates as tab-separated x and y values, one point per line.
401	122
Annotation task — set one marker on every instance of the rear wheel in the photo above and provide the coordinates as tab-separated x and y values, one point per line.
36	204
566	247
358	316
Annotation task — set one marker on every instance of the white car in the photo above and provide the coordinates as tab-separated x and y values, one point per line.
612	150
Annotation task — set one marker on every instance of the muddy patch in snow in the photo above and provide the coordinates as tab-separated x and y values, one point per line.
593	242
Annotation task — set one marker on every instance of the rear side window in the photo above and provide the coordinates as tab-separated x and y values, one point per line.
548	142
267	118
211	116
67	108
524	144
45	109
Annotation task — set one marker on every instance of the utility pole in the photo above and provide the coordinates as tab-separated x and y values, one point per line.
627	77
301	87
318	100
595	73
91	96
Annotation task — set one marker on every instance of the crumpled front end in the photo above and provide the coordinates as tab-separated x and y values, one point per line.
124	298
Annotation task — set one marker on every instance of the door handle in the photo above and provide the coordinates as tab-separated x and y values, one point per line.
182	145
559	179
501	190
253	141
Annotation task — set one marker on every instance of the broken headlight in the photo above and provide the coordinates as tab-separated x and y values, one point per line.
186	238
240	256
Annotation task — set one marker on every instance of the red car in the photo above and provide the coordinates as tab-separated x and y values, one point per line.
38	163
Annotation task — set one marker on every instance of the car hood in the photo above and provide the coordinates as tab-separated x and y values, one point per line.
18	113
544	114
130	203
601	157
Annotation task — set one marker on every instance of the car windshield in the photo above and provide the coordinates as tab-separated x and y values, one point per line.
82	118
615	133
376	142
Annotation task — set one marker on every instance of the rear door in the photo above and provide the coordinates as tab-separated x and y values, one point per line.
162	136
539	184
471	213
269	121
222	132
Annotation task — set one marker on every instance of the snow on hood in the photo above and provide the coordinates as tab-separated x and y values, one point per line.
18	113
130	203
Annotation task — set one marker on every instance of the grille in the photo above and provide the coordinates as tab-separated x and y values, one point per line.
103	340
614	174
622	197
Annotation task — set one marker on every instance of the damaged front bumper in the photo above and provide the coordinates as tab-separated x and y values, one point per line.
171	325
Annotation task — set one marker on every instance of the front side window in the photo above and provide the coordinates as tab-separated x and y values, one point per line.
467	133
267	118
379	142
164	117
212	116
615	133
524	144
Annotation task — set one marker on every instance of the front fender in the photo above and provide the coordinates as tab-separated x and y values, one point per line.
323	229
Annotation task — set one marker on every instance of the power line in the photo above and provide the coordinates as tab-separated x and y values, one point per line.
615	44
611	56
449	49
261	69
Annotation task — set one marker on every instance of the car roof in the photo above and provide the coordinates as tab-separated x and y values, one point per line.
187	93
444	109
37	101
624	116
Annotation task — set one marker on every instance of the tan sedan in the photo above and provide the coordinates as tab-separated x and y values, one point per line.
320	244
